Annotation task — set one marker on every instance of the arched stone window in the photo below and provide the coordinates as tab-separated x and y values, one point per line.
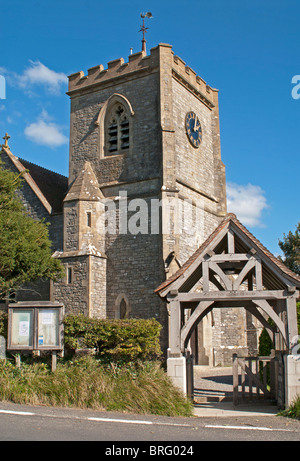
115	126
117	130
122	307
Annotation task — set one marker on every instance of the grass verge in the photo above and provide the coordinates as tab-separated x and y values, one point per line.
87	382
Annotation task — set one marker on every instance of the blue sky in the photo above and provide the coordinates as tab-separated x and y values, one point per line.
249	50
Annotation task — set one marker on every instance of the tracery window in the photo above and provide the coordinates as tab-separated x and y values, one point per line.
117	130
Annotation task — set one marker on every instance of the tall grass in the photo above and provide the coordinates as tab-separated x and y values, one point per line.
88	383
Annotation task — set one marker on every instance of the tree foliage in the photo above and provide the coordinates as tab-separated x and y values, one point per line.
290	245
25	248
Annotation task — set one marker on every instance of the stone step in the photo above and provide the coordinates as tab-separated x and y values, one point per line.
211	396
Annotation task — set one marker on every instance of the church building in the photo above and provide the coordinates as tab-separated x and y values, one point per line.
146	187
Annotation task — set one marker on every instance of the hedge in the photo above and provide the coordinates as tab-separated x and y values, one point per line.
128	339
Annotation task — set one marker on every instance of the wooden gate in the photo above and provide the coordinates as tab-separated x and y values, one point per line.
258	378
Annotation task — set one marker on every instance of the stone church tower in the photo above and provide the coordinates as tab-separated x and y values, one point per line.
146	187
146	182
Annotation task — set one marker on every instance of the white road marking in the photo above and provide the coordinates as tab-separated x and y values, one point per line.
103	420
143	422
249	428
24	413
136	421
128	421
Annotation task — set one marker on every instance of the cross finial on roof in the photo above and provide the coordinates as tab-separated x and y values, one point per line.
6	138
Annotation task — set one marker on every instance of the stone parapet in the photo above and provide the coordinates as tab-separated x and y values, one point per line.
187	76
139	63
118	68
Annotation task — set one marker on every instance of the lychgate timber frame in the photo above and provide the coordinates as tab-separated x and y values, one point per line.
230	269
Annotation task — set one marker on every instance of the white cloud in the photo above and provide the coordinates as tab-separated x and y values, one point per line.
36	74
45	132
247	202
39	74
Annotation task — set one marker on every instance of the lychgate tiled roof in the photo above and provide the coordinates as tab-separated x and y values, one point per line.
231	219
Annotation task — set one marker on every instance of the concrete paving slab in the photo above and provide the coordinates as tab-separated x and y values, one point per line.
228	409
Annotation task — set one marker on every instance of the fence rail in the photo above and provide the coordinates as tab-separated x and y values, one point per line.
258	377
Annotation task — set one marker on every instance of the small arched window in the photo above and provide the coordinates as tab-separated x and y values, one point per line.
122	307
117	130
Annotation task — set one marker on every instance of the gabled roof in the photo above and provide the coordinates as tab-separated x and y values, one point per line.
49	187
244	242
54	186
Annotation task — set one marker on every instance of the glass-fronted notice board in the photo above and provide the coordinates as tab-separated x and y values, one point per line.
35	326
22	327
48	327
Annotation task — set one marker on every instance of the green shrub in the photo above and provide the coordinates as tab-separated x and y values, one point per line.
127	340
265	344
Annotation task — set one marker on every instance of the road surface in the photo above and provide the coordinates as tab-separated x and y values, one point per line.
117	430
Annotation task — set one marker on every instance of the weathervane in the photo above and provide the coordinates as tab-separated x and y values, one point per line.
144	29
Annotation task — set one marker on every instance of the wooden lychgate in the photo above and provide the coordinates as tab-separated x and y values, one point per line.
230	269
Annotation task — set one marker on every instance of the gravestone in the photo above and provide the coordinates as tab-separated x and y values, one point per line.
2	347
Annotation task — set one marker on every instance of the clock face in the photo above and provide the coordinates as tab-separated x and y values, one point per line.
193	129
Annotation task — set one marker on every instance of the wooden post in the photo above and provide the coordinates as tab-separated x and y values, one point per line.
258	275
18	360
292	329
243	379
235	374
175	326
250	377
54	361
230	241
205	279
257	375
189	376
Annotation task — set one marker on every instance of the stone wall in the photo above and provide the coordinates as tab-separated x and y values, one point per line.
142	160
292	378
74	293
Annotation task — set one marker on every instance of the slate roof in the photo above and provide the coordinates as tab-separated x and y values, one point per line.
54	186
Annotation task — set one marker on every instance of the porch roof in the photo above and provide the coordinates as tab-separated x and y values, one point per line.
275	274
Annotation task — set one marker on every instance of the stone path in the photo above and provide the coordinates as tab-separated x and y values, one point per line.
213	391
212	384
